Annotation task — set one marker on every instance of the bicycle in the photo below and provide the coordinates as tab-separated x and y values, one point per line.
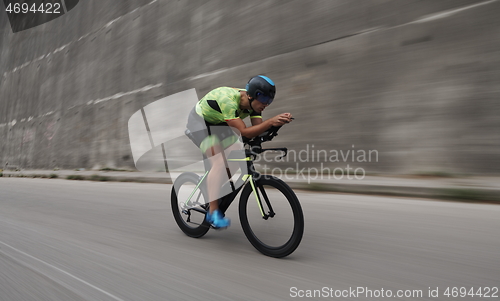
273	223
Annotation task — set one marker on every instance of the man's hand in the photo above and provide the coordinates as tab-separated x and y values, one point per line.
281	119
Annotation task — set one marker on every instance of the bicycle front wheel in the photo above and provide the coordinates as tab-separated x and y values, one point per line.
275	224
189	204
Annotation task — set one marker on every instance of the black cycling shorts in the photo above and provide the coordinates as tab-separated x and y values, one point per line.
206	135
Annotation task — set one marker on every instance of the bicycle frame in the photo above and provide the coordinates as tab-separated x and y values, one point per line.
255	149
250	177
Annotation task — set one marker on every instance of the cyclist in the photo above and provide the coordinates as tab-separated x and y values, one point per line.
212	121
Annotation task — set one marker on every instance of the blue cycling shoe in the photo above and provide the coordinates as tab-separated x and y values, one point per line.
217	220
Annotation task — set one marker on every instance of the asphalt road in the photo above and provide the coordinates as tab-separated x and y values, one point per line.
78	240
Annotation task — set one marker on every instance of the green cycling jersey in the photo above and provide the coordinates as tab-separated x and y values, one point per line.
223	104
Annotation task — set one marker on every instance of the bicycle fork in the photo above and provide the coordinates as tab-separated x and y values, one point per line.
270	213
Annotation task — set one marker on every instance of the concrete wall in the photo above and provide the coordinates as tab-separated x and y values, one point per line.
415	80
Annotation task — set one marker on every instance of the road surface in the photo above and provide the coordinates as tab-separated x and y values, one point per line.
78	240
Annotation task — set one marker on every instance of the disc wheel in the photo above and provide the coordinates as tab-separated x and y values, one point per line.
280	231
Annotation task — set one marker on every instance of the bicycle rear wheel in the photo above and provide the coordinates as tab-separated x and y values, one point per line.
190	215
280	233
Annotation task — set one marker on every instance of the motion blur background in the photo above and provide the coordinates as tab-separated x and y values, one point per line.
415	80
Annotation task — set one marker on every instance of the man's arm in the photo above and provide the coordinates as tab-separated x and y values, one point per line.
261	126
251	131
256	120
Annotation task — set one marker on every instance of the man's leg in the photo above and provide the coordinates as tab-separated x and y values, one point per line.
218	174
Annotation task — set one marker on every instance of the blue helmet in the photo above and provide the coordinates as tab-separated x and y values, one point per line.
261	88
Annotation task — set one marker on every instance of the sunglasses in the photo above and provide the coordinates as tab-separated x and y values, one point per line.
267	100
